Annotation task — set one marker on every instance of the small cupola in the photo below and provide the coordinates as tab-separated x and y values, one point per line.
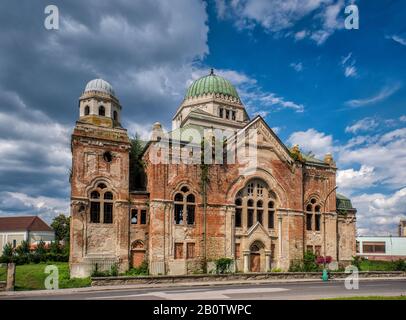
99	105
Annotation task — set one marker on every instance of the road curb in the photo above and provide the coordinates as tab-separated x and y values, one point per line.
32	293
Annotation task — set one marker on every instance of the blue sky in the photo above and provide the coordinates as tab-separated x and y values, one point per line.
317	84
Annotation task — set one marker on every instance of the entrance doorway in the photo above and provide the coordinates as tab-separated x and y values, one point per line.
255	262
255	257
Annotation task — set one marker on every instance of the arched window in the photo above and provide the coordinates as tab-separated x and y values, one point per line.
271	215
238	212
95	207
101	205
115	115
313	213
184	202
102	111
252	203
87	110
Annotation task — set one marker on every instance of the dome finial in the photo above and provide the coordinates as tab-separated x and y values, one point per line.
212	72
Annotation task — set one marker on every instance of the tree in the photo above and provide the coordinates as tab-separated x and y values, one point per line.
137	172
61	225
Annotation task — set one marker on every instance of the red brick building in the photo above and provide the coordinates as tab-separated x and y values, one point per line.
218	185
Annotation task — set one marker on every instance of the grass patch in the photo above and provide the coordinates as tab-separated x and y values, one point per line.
32	276
369	298
370	265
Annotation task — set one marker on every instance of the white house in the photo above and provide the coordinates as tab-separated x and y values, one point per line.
29	228
382	248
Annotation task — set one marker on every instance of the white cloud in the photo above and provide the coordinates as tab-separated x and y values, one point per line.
351	179
298	67
300	35
379	214
282	15
385	153
365	124
350	71
45	207
348	64
383	94
397	39
312	141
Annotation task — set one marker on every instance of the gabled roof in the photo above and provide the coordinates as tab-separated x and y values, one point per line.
25	223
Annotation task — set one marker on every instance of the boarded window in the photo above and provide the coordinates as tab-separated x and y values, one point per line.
95	212
237	251
143	216
108	213
374	247
190	250
178	250
317	251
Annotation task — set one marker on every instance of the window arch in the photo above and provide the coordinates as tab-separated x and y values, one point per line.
102	111
115	115
87	110
101	205
184	202
255	204
313	214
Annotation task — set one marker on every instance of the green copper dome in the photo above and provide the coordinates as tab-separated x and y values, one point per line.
211	84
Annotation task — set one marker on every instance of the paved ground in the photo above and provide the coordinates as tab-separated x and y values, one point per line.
258	291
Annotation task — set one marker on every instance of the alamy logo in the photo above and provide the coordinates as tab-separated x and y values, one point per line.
52	19
352	281
52	281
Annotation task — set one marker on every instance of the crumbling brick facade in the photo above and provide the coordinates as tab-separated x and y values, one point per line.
189	215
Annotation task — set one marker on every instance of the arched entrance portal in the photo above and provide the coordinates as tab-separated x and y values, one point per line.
256	256
137	253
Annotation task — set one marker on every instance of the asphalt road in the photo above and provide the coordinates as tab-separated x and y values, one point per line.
269	291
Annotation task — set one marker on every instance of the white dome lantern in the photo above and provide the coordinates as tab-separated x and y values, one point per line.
100	85
98	104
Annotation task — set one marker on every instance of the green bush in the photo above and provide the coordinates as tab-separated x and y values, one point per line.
8	253
399	265
114	270
296	266
356	261
223	265
23	248
309	262
141	270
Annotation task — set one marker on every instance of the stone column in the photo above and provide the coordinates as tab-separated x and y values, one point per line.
267	260
246	254
11	272
280	241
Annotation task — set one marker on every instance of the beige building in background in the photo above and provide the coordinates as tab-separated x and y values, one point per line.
33	229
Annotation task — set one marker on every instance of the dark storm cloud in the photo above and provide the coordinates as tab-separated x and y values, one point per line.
146	49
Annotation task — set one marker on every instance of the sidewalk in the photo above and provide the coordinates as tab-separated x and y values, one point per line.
172	285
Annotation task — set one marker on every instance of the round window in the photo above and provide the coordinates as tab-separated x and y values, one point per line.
107	156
